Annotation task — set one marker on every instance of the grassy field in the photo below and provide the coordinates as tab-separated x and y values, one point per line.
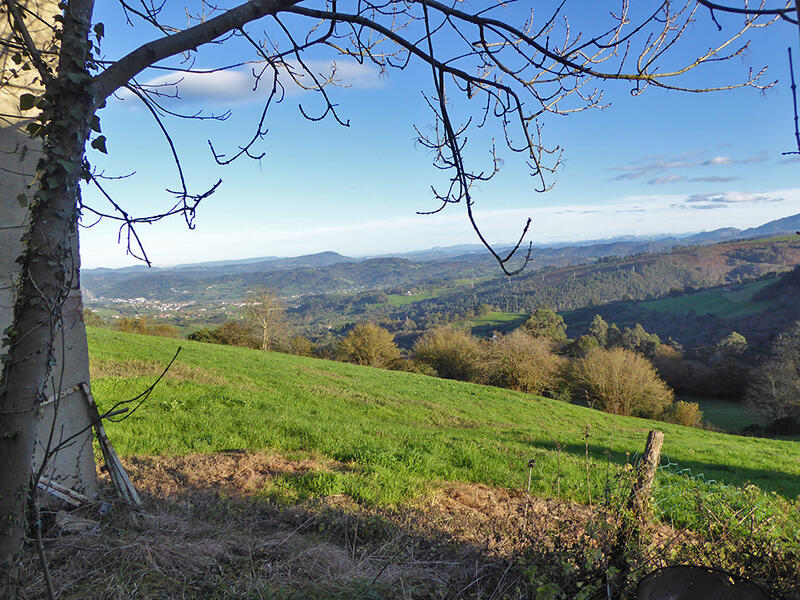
727	415
720	302
395	436
402	299
484	325
782	238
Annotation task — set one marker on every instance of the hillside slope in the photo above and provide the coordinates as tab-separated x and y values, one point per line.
389	436
759	310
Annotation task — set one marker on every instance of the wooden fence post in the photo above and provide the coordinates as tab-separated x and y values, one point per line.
639	501
632	526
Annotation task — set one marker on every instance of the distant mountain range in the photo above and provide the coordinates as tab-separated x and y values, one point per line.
784	226
327	272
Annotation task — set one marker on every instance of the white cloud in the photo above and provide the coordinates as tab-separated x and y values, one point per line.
664	179
661	166
719	160
236	86
732	198
714	179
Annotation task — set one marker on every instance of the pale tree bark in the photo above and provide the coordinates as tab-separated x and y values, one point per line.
264	308
66	416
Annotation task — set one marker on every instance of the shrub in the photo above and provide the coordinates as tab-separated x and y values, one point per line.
581	346
520	361
236	333
775	388
301	346
451	353
599	330
545	322
163	330
410	365
92	319
672	367
639	340
732	344
622	382
368	344
730	378
144	326
205	335
684	413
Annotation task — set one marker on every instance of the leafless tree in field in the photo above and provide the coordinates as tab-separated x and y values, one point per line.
264	308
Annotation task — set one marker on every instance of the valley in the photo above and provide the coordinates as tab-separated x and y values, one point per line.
662	291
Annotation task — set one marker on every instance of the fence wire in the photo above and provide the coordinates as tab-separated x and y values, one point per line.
686	499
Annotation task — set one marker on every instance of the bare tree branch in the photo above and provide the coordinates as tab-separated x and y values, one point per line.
126	68
27	41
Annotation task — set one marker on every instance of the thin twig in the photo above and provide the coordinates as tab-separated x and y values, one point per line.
794	102
37	527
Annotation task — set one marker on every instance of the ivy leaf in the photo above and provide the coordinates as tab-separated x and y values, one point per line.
99	30
99	143
78	78
27	101
23	200
33	129
17	58
95	124
69	167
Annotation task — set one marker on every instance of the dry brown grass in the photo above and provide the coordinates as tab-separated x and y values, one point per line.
140	368
200	534
204	532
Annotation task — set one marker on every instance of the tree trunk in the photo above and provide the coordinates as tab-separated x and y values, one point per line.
45	282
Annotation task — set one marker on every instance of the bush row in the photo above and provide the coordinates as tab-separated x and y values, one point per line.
615	380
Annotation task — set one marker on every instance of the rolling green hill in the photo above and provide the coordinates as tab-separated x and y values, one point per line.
389	437
758	309
728	301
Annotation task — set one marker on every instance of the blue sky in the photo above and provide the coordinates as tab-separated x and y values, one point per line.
659	162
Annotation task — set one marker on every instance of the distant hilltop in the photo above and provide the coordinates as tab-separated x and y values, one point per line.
616	246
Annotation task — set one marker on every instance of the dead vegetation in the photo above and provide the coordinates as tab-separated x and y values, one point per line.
179	371
205	532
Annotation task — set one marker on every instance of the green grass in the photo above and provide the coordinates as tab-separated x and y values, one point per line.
403	299
484	325
727	415
720	302
397	434
780	238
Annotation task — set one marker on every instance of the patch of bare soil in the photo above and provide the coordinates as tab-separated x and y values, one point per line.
498	520
236	473
505	521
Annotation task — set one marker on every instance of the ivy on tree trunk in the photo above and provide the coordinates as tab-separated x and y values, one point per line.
68	107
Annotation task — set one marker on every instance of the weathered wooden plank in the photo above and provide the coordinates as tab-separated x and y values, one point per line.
119	478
